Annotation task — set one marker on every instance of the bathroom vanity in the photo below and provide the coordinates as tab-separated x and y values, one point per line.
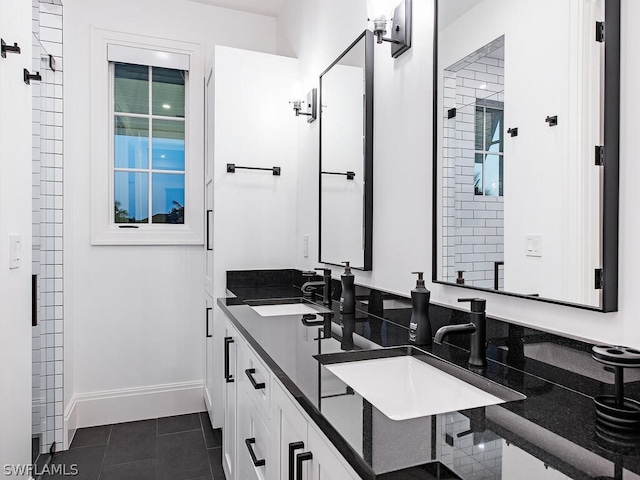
289	413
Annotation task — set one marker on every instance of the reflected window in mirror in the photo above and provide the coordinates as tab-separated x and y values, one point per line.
489	161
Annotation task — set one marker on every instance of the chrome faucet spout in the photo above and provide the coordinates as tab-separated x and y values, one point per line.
452	329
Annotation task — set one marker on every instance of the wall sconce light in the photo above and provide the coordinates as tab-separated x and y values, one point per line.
310	106
400	28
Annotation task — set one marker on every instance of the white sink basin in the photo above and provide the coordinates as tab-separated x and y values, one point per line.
403	387
288	309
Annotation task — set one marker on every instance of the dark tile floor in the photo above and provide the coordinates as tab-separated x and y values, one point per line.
170	448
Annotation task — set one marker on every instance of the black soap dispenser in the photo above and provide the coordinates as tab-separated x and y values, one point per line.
348	297
420	324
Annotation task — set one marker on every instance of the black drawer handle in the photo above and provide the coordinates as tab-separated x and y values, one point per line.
301	457
206	319
256	463
292	448
227	376
256	385
209	212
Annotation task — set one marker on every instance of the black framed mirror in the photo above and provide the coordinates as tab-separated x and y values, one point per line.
526	149
346	157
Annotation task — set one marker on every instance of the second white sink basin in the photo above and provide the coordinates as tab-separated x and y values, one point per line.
288	309
404	387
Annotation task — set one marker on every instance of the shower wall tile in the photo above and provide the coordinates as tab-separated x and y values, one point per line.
48	161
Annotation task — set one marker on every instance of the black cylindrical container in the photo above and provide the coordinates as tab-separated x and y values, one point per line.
348	327
348	297
420	324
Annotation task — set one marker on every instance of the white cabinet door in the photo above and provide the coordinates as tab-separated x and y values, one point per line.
325	464
231	343
289	429
209	358
254	441
208	184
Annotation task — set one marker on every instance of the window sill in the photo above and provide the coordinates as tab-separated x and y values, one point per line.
147	235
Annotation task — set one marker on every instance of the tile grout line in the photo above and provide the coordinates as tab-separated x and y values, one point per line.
204	438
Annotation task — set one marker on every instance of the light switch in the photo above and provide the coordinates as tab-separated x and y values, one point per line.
533	245
15	251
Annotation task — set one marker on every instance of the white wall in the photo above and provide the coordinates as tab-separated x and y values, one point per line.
402	174
133	315
315	32
15	215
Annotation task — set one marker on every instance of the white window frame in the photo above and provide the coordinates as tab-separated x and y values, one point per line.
104	230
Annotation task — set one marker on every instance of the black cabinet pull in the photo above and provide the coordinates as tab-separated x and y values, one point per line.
227	376
206	320
209	212
292	448
301	457
256	385
256	463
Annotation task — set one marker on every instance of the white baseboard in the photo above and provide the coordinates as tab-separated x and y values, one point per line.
128	405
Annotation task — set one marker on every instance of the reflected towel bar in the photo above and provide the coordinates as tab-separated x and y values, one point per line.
350	175
232	167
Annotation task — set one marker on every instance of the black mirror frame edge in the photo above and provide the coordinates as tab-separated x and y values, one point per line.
611	172
368	153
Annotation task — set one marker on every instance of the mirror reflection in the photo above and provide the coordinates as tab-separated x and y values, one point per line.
346	157
518	117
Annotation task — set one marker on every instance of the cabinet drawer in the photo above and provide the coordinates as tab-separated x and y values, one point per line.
256	381
254	444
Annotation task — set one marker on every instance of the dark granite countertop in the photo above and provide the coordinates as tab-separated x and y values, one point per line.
551	434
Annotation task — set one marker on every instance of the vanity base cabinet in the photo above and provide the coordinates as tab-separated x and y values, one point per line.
266	435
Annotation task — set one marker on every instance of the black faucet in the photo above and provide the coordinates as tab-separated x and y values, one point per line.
477	328
326	283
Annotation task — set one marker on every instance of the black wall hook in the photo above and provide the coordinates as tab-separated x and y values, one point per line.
513	132
4	48
552	121
31	76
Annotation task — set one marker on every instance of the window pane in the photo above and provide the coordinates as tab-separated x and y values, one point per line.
477	174
493	175
132	88
131	142
493	127
168	198
168	145
168	92
479	128
131	197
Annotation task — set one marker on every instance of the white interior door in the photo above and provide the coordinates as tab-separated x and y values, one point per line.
15	228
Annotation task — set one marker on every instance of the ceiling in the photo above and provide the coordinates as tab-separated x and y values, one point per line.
262	7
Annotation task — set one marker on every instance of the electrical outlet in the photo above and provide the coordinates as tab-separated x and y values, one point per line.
305	246
15	251
533	245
